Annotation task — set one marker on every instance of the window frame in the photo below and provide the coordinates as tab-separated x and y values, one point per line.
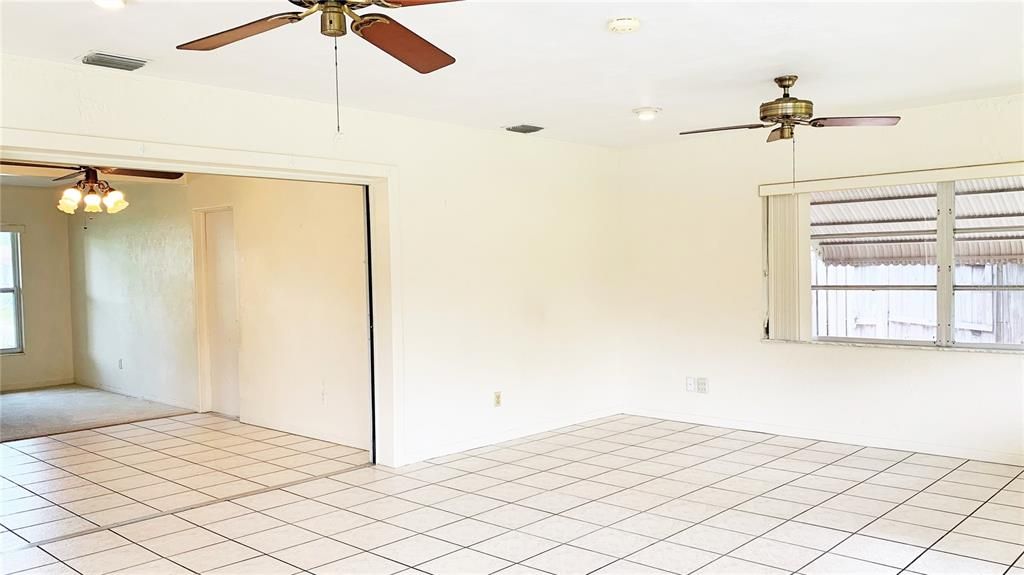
853	236
945	287
16	289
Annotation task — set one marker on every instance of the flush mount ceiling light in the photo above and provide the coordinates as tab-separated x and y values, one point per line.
647	113
109	4
623	25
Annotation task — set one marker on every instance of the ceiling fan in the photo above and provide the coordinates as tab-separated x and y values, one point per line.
90	189
788	112
380	30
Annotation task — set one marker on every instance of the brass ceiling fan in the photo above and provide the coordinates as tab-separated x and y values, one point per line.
787	112
90	189
380	30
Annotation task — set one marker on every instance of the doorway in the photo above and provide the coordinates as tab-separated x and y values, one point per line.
285	326
221	300
385	351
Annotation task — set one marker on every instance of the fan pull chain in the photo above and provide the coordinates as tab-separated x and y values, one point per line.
337	87
794	159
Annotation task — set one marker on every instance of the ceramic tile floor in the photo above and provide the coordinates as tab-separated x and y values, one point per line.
69	483
622	495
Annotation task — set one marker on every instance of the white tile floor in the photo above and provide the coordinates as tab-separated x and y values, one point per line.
64	484
621	495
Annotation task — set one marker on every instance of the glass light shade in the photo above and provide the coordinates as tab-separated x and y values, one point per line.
73	195
116	206
92	202
67	206
112	197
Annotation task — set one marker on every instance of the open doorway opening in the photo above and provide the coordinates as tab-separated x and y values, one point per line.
284	278
260	314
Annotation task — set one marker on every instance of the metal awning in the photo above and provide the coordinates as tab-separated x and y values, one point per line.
896	224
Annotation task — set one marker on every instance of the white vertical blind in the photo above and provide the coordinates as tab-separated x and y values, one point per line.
789	282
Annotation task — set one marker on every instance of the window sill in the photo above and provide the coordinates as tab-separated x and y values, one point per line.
886	345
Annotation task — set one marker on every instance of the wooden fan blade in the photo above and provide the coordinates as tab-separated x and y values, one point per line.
776	134
406	3
141	173
34	165
724	128
241	32
401	43
70	176
855	121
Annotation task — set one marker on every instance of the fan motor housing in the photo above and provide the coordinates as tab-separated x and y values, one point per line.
786	108
332	19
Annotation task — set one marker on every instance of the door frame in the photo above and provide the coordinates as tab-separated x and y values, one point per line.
204	383
382	183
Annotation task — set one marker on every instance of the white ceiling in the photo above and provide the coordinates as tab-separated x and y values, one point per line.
553	63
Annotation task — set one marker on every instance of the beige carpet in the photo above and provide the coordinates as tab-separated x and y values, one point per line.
64	408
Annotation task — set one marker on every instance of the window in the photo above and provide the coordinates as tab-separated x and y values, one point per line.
873	264
988	278
10	292
927	263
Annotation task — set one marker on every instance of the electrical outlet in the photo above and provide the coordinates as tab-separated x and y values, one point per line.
691	384
497	399
702	385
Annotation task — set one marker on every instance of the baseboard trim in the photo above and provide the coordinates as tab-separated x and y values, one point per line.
851	438
146	397
36	385
539	426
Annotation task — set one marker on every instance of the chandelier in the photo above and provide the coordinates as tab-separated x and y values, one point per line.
94	193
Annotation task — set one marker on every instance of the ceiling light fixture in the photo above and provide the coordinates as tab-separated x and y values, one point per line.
109	4
94	193
647	113
623	25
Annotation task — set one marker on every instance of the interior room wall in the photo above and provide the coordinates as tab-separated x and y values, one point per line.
302	303
582	281
506	279
132	296
695	277
47	359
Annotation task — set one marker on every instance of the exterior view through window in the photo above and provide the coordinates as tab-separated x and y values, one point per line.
10	293
876	256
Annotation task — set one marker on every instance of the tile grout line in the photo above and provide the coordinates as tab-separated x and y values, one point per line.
576	480
189	507
143	471
183	411
155	473
711	438
951	529
858	531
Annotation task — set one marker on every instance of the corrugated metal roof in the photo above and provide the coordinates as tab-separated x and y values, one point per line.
912	208
988	184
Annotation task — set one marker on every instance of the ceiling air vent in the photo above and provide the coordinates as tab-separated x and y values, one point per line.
524	129
113	61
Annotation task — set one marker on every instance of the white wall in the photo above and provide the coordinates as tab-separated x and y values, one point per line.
563	275
47	359
132	296
504	249
695	279
302	304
